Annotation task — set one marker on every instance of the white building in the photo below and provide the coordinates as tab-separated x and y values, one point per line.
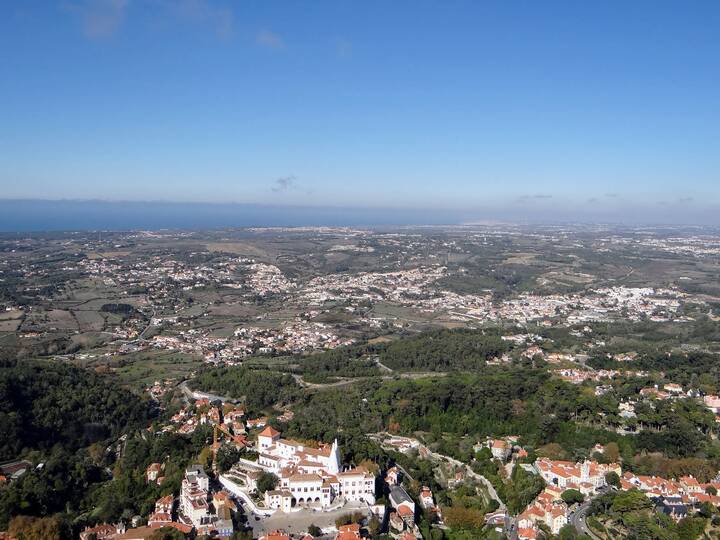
500	449
279	498
310	476
194	496
712	403
547	508
426	498
276	453
587	477
357	485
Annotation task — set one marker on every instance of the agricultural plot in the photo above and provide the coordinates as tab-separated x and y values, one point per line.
142	369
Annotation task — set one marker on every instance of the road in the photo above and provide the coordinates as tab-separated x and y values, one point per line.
193	395
348	381
381	365
510	528
342	382
141	335
578	519
509	520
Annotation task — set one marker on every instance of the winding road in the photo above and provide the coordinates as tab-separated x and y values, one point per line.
197	394
578	519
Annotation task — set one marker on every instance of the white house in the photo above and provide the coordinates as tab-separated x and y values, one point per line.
426	498
357	485
279	498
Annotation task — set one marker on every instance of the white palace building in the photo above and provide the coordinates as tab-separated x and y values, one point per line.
310	476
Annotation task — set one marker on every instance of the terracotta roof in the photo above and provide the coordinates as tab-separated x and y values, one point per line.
528	533
405	511
275	535
269	431
103	530
221	496
357	471
308	463
140	533
168	499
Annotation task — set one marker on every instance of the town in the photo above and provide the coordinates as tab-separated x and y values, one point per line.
345	270
273	390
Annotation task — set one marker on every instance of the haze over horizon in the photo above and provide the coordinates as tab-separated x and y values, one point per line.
513	111
81	215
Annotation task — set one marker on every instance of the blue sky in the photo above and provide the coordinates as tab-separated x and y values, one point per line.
602	107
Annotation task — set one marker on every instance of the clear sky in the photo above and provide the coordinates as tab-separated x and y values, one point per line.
605	108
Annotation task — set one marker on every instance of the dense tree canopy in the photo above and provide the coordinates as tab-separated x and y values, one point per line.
258	388
443	350
43	403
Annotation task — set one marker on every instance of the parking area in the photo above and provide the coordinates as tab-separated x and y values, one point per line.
298	522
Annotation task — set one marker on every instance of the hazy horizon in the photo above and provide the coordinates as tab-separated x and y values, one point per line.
21	215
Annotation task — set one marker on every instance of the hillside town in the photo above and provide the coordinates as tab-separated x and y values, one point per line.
385	387
348	270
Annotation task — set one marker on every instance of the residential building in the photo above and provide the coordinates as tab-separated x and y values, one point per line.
194	496
163	511
152	473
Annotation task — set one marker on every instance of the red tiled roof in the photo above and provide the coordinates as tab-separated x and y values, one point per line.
275	535
405	511
269	431
528	533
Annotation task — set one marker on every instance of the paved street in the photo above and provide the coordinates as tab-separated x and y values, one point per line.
193	395
578	520
298	522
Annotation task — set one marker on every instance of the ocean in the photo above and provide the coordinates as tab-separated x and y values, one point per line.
72	215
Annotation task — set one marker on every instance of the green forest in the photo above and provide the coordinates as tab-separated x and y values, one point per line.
44	403
443	350
68	419
257	388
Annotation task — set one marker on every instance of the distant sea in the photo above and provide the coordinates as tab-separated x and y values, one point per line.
73	215
92	215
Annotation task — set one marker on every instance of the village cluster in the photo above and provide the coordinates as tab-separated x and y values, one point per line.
292	338
309	478
174	303
162	278
676	498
